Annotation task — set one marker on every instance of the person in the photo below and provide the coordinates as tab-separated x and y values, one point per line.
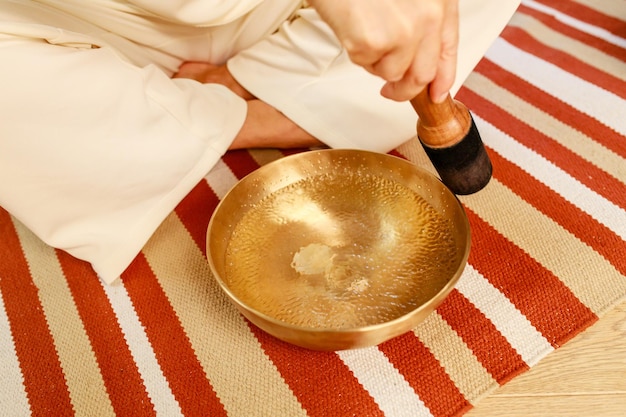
114	110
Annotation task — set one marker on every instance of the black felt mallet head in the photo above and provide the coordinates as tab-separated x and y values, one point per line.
451	140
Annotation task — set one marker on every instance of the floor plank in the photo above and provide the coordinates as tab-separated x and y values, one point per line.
586	377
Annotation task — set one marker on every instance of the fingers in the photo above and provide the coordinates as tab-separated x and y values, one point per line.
433	61
207	73
446	70
408	43
446	73
421	71
194	70
393	65
384	52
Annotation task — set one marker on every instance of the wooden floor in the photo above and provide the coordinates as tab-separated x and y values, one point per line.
584	378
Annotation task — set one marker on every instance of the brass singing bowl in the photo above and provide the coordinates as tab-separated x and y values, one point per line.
338	249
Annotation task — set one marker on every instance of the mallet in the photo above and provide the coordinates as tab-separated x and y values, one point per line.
451	140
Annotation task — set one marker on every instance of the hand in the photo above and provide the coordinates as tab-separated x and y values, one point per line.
409	43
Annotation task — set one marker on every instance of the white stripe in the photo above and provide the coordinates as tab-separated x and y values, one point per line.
555	178
510	322
221	179
156	385
590	99
386	385
578	24
12	390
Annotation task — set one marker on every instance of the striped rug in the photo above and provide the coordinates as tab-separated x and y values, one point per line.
548	259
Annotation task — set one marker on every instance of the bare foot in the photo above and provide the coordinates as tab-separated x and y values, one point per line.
212	74
266	127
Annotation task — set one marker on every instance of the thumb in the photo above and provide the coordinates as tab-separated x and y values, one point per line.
446	67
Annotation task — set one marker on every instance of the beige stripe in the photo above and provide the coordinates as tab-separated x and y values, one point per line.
229	353
84	380
414	152
581	51
467	373
615	8
572	139
13	389
588	275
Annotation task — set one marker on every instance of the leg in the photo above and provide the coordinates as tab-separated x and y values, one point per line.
95	152
116	144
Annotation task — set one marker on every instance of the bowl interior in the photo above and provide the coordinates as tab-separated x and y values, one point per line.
337	241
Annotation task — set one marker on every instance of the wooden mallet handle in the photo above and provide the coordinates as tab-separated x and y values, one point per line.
451	140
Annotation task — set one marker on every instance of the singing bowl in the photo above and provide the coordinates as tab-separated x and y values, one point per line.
338	249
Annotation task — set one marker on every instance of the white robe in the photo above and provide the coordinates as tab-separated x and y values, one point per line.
98	144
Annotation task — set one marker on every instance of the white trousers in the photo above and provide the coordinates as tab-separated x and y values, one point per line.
98	144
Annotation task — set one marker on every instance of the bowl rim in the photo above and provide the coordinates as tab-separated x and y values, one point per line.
440	295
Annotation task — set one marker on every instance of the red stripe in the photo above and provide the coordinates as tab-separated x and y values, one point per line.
551	105
119	371
587	14
44	380
425	375
569	63
240	162
323	384
195	211
579	168
489	346
171	345
394	152
599	237
539	295
293	151
571	32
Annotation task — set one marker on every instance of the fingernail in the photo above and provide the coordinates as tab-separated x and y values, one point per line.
386	90
441	98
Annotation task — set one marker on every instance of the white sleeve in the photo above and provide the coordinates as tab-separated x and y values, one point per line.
95	152
302	71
